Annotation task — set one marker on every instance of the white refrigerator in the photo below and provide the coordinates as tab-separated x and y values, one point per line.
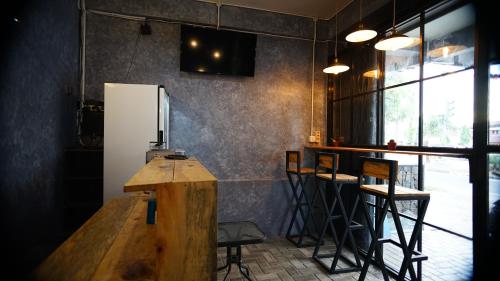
134	116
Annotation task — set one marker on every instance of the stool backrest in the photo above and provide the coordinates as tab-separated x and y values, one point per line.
293	159
384	169
326	163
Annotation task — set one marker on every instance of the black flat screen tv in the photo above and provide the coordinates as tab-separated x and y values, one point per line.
211	51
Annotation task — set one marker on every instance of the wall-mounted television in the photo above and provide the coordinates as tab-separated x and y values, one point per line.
212	51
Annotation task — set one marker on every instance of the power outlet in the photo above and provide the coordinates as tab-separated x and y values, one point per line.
317	134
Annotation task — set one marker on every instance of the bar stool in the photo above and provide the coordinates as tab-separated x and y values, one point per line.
387	170
326	171
302	201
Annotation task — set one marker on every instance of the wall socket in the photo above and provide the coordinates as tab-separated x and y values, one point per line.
317	134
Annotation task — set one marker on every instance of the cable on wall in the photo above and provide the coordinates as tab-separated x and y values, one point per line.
315	20
83	28
170	21
219	4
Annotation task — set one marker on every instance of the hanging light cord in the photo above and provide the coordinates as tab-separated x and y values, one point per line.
360	11
394	16
336	29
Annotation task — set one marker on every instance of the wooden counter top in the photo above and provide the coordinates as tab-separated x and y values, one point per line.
186	220
114	244
161	171
367	150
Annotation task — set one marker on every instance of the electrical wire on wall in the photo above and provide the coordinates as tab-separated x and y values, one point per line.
131	62
315	20
219	4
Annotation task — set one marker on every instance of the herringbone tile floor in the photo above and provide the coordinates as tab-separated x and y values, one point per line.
279	260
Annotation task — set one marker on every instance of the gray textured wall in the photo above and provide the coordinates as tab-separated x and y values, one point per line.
239	127
38	82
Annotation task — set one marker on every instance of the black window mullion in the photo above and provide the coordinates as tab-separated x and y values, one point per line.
420	170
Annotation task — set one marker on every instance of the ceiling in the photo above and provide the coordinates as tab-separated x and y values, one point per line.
321	9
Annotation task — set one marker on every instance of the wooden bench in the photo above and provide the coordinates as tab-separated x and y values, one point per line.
114	244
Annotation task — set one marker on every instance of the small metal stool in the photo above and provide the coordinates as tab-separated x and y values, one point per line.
387	170
326	171
233	235
303	206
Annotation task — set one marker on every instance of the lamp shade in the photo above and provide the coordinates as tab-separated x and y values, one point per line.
373	73
361	35
336	68
394	42
445	51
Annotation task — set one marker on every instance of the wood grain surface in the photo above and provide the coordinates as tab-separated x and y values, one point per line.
114	244
186	240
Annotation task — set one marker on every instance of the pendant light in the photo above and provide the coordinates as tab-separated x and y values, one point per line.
361	34
395	41
372	73
444	49
337	67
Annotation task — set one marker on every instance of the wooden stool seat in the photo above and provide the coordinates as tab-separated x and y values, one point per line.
339	177
399	191
303	170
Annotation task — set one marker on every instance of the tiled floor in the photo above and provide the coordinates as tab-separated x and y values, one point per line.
278	259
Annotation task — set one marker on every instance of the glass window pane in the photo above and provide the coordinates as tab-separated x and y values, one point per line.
449	42
365	71
342	120
448	110
494	202
450	207
494	101
402	65
365	121
401	114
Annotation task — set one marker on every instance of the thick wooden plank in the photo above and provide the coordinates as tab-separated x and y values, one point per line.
376	169
80	255
157	171
383	189
186	240
340	177
191	171
132	256
293	157
325	161
367	150
187	231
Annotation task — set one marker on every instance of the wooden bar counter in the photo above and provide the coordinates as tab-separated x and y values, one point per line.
395	151
186	195
117	244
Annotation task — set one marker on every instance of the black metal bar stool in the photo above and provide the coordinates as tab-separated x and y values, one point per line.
301	199
390	193
326	171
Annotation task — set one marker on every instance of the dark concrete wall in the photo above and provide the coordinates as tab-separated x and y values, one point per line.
239	127
38	85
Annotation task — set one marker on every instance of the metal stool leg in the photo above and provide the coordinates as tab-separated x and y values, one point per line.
347	233
374	243
408	250
309	213
328	212
303	209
